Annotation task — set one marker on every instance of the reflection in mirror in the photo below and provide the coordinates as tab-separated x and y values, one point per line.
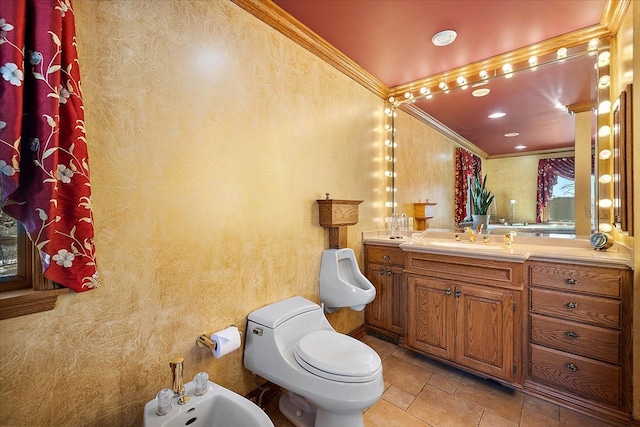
622	162
530	95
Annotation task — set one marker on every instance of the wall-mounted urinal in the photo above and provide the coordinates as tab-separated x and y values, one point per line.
341	282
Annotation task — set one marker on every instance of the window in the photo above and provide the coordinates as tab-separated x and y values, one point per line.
23	288
562	200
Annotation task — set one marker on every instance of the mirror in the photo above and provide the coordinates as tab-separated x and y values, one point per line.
622	166
546	84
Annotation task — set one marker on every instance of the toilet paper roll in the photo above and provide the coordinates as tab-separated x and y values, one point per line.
226	341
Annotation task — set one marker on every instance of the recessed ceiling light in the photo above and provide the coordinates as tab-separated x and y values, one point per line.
496	115
511	135
520	147
481	92
444	38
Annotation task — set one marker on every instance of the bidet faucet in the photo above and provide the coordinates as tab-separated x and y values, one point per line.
177	368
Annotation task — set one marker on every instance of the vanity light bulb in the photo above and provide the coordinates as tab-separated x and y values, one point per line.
387	111
605	203
387	126
392	99
443	86
605	228
461	80
604	81
604	154
533	61
387	143
562	53
424	90
593	44
605	179
604	131
407	95
604	107
603	59
484	74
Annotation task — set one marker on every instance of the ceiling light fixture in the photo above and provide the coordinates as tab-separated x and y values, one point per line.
444	38
511	134
478	93
520	147
496	115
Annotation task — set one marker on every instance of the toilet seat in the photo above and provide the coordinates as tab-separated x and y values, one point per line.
337	357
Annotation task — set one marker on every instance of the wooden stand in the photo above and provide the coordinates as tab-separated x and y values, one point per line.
336	215
421	214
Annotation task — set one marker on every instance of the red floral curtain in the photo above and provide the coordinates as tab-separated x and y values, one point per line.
467	165
44	168
548	172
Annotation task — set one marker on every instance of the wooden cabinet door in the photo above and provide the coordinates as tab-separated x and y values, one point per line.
398	300
484	330
432	314
374	311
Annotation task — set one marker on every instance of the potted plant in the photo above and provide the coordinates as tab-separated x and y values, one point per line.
481	199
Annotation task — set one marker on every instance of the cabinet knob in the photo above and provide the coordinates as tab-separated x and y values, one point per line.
458	293
571	334
571	305
572	281
385	257
388	272
448	291
571	366
381	271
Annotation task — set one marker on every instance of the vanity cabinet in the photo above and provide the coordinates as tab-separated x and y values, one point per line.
384	267
467	311
580	335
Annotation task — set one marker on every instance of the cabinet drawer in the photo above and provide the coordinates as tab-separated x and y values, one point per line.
584	340
384	255
581	308
588	378
581	279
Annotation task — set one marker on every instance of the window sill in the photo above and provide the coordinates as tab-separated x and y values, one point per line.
27	301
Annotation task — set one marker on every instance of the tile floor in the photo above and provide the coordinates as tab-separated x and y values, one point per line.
420	392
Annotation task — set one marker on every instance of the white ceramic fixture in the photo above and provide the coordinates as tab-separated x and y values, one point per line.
341	282
330	377
218	407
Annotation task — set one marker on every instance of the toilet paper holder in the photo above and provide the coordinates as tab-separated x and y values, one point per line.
204	340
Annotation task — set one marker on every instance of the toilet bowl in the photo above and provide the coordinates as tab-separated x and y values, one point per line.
330	377
341	282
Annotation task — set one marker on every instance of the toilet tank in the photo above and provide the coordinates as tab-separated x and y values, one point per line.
273	315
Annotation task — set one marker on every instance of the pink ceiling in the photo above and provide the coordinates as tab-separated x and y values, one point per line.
391	39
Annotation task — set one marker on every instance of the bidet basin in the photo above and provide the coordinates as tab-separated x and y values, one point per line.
218	407
466	245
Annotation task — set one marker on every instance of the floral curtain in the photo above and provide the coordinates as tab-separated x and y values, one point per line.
467	165
548	172
44	168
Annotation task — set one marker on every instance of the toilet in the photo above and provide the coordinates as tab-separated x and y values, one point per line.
330	377
341	282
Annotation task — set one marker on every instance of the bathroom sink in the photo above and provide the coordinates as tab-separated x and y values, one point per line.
466	245
218	407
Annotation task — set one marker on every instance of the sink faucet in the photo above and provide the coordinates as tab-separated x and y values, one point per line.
177	368
472	236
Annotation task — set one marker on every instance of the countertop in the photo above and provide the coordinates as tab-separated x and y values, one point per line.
522	249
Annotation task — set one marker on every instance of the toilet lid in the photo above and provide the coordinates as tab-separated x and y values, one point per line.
338	357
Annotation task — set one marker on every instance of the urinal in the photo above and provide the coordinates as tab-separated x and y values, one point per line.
341	282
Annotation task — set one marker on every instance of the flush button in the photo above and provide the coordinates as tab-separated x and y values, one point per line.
257	331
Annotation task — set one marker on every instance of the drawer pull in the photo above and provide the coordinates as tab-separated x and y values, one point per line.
571	366
458	293
448	291
389	272
572	305
572	281
381	271
386	257
571	334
